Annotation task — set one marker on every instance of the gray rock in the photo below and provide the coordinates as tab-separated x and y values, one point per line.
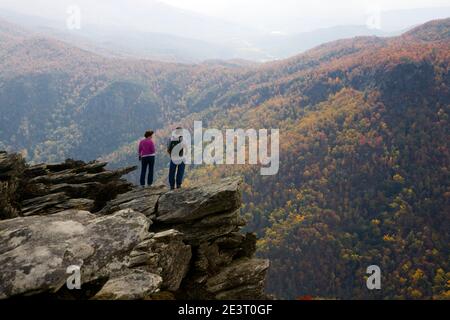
136	285
50	188
242	279
35	251
242	245
143	200
210	227
184	205
10	165
164	254
211	257
67	166
253	291
74	177
83	190
54	203
11	170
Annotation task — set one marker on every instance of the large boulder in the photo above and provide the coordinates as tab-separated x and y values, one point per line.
242	279
204	212
165	254
184	205
143	200
36	251
136	285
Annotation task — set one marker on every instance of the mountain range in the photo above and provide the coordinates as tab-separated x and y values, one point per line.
365	161
162	32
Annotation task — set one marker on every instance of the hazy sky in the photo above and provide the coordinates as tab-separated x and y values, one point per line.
223	8
270	13
288	16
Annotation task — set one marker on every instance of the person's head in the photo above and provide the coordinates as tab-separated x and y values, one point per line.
177	133
148	134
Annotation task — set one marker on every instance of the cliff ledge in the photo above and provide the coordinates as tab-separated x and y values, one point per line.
129	242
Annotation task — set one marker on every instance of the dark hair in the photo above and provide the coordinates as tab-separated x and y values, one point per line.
148	134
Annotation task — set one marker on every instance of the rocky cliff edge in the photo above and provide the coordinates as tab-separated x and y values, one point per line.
128	242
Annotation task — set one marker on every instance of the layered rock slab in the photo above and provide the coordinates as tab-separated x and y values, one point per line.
143	200
184	205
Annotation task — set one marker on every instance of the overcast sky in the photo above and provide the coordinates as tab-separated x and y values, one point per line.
287	16
270	13
223	8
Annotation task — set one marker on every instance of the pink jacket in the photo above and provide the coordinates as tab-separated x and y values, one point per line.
147	148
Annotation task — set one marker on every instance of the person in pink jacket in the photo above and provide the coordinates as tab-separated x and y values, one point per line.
147	154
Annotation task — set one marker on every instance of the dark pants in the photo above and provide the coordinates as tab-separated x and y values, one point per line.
178	172
150	163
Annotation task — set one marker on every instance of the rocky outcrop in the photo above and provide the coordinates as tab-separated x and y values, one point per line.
35	252
51	188
199	202
128	242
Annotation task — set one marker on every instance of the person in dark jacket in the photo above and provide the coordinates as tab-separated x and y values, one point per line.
177	164
147	153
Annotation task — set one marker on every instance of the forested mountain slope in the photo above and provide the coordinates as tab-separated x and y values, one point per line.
364	175
58	101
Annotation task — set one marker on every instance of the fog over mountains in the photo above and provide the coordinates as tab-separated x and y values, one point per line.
158	31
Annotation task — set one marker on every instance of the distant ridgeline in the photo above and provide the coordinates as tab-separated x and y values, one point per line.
119	241
364	155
